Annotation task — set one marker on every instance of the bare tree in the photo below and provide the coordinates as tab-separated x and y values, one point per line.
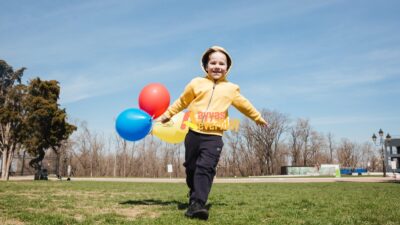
88	152
245	155
367	155
348	153
375	163
331	147
299	136
317	148
265	139
305	135
233	142
253	150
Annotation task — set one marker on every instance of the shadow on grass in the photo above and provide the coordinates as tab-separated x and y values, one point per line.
180	205
394	181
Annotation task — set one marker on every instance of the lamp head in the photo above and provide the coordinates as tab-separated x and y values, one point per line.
374	138
380	132
388	137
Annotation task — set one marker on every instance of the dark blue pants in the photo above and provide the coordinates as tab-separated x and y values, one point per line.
202	152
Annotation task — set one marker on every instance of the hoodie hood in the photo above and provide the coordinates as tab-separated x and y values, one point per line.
206	54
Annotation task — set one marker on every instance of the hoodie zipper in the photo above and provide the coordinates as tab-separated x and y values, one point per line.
209	102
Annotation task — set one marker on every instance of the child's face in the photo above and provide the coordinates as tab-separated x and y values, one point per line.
217	65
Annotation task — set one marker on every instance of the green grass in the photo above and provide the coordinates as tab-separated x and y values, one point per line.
55	202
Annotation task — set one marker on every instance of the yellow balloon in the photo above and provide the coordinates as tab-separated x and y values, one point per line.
171	131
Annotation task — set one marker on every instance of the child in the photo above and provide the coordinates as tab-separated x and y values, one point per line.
208	99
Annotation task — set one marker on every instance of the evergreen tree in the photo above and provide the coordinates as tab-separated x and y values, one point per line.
46	125
11	121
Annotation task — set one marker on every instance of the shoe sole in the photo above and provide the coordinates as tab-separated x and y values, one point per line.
201	214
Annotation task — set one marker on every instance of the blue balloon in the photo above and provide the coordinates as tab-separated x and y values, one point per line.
133	124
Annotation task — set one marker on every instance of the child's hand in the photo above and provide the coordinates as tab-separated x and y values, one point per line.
164	119
262	123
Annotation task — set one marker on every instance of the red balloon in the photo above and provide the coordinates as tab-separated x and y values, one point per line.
154	99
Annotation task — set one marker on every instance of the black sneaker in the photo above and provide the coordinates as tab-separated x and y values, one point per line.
197	210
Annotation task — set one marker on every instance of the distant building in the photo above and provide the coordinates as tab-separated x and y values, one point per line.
392	155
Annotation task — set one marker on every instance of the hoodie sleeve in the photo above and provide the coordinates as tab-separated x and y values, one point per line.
182	102
245	107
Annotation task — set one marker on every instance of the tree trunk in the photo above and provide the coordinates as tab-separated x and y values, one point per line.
5	141
23	163
91	165
305	154
4	171
9	162
8	155
115	163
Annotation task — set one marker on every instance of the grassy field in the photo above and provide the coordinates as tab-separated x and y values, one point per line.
55	202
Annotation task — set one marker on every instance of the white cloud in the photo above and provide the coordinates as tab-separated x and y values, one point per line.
57	35
87	85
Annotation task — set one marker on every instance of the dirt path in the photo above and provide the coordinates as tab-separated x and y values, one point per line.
229	180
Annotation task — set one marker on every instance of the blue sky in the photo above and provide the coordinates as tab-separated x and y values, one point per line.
333	62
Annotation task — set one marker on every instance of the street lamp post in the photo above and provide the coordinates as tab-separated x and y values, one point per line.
382	144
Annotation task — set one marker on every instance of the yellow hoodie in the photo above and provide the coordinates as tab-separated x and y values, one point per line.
208	102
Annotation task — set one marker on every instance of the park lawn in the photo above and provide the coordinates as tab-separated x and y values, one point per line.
62	202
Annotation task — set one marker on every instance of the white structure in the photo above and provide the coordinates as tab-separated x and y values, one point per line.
328	169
